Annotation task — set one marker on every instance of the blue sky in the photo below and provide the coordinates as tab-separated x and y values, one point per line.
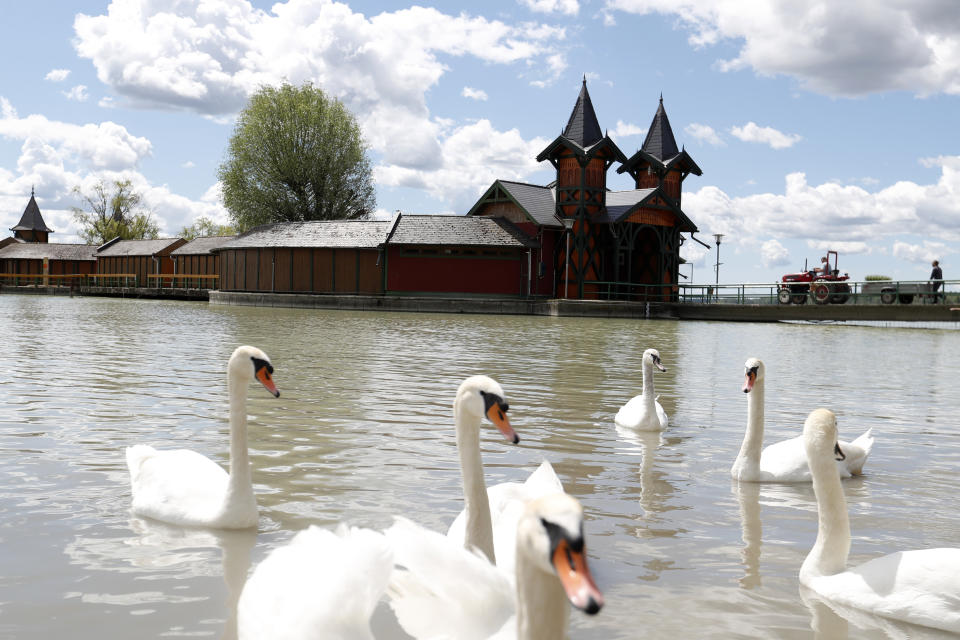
817	125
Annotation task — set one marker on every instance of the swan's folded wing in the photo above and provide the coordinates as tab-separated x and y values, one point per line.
920	587
785	461
322	584
178	486
857	452
440	590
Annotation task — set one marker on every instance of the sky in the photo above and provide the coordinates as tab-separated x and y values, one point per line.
818	125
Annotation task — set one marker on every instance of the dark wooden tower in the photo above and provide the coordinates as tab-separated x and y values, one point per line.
648	239
31	227
581	156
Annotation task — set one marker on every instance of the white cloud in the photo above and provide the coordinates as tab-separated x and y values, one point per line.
626	129
189	164
208	56
836	48
921	254
773	254
57	75
833	215
752	132
567	7
78	93
471	158
845	248
474	94
57	156
703	133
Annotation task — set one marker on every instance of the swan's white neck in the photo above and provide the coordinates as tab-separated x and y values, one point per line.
647	393
542	606
829	553
747	463
479	527
240	487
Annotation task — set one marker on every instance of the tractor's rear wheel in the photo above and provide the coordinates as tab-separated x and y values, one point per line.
821	293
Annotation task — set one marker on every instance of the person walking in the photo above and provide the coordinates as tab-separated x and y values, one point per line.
936	281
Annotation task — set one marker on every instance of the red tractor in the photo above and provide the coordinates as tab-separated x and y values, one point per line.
824	285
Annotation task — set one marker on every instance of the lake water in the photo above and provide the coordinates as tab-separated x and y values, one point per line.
364	429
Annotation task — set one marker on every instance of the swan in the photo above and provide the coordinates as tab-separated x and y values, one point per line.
323	584
488	521
183	487
440	590
644	412
784	461
919	586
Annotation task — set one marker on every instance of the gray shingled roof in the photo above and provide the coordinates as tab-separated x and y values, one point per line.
137	247
628	198
660	142
458	230
582	127
31	220
358	234
539	202
40	250
201	246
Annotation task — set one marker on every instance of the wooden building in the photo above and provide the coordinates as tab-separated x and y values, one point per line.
341	256
458	255
196	263
595	242
138	258
42	258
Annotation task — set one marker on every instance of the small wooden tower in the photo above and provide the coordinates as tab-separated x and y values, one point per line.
31	227
581	155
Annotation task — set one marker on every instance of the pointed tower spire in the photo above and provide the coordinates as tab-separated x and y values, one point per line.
660	142
31	227
582	127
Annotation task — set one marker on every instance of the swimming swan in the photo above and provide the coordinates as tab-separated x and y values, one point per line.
184	487
643	412
488	521
784	461
440	590
323	584
920	587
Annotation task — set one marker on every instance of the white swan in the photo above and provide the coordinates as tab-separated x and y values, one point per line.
323	584
184	487
644	412
784	461
488	521
441	590
921	586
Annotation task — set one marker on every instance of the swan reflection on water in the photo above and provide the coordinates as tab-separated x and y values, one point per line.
175	553
832	621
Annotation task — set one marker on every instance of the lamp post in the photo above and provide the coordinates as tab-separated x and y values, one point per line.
718	237
568	225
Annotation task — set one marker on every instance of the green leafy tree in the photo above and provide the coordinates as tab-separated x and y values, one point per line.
113	211
204	227
296	154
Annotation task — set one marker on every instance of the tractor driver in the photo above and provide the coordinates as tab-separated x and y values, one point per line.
825	265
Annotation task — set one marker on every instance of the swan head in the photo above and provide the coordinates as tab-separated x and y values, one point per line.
652	356
550	534
820	435
752	372
480	396
248	364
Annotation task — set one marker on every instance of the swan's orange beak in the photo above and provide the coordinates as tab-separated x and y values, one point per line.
267	381
750	378
571	568
498	416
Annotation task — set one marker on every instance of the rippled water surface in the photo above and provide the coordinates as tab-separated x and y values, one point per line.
364	429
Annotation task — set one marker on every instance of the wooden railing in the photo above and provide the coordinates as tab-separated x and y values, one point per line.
185	280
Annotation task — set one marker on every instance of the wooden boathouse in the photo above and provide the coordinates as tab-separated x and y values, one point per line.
596	243
137	260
